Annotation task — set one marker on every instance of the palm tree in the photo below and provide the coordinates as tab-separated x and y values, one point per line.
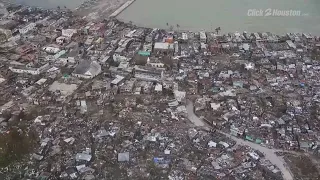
178	26
58	7
167	24
217	30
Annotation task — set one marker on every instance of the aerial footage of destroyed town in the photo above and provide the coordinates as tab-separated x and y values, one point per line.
108	100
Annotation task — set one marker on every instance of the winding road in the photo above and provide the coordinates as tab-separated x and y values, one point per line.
269	153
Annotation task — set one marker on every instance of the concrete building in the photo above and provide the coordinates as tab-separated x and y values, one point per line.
89	40
68	32
161	47
117	80
148	74
184	37
87	69
51	50
127	87
61	39
27	28
154	63
203	37
291	44
30	68
158	88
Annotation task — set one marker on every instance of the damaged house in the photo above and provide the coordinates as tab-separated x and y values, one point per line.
87	69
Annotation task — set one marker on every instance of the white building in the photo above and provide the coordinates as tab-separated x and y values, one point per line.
87	69
184	36
68	32
119	58
117	80
158	88
83	106
51	50
89	40
29	70
254	155
291	44
163	47
203	37
27	28
155	64
61	39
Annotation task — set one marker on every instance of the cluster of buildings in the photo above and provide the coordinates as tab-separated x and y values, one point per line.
264	90
108	100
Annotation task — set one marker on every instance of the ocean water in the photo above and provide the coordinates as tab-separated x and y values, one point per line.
231	15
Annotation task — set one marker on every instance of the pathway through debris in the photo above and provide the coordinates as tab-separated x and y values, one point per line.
269	153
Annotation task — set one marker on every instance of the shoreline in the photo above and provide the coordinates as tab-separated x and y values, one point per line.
101	9
122	8
95	12
181	29
207	31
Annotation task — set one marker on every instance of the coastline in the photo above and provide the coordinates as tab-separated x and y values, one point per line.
98	10
122	8
101	9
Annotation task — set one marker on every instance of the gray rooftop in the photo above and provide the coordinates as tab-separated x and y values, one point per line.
85	66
